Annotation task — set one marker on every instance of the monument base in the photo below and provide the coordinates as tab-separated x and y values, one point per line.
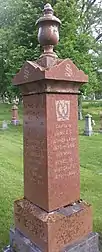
88	133
19	243
80	117
64	226
15	122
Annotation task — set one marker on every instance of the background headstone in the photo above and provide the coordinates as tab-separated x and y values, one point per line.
4	125
80	116
15	120
88	125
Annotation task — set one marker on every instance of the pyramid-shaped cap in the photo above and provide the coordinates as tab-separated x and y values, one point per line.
64	70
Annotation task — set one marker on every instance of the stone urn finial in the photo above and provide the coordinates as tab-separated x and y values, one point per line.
48	33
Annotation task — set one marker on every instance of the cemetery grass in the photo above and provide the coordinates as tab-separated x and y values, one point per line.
11	169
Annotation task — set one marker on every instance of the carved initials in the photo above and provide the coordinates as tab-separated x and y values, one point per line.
26	73
68	71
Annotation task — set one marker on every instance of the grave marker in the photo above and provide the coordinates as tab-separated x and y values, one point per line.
51	216
15	120
88	125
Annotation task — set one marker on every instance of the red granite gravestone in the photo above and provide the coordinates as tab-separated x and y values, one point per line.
15	120
51	214
51	159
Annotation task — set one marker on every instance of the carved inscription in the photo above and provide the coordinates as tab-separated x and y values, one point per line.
62	110
37	177
35	160
26	73
37	174
68	71
64	145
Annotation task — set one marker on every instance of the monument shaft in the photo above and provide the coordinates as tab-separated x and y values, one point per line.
51	159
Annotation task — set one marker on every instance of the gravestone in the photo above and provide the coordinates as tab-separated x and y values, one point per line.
51	217
4	125
15	120
88	125
80	116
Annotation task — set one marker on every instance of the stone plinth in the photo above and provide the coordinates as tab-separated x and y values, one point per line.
52	231
21	243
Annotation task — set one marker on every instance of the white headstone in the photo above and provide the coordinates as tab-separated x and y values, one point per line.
4	125
88	125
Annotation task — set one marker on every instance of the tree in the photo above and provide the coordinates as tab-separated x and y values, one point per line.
19	43
76	42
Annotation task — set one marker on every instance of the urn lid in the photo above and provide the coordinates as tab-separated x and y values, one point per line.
48	15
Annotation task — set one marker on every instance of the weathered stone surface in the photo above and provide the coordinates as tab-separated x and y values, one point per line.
62	70
19	243
7	249
100	242
51	157
50	86
89	244
52	231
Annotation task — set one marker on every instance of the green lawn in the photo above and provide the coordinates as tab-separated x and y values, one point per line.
11	172
11	169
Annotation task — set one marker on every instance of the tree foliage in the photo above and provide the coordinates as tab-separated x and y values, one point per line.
80	37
